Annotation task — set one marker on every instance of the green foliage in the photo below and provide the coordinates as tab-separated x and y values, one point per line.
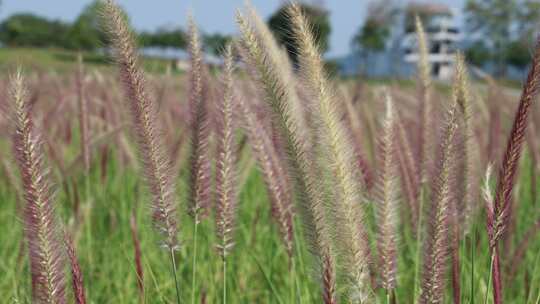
529	14
280	24
518	54
372	36
86	33
30	30
478	54
504	26
215	43
164	38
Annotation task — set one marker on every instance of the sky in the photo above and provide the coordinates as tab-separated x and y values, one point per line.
346	16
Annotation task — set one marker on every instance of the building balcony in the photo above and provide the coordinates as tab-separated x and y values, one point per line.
433	58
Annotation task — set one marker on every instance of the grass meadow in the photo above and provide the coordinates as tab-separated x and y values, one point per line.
263	183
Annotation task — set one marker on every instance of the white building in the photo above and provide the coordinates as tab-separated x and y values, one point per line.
442	35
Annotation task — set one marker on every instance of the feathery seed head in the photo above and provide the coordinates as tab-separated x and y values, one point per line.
76	272
226	163
387	199
436	244
47	261
424	67
509	167
352	234
200	175
274	174
281	98
148	131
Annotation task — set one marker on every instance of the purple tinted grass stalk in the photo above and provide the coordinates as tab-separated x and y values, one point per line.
200	166
226	171
84	138
387	201
454	248
352	235
353	120
148	133
425	134
409	175
137	255
144	115
461	192
76	272
436	244
532	144
83	113
47	261
280	95
274	175
328	279
200	171
499	214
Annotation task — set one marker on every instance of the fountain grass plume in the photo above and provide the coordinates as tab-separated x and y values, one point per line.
462	96
41	225
386	194
510	162
499	215
148	131
199	199
226	179
274	175
352	237
408	172
226	163
426	107
306	180
436	245
462	194
200	165
137	254
76	272
280	59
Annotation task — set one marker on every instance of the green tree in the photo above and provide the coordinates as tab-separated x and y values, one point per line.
86	32
374	33
165	38
31	30
478	53
529	18
372	36
279	23
517	53
215	43
504	25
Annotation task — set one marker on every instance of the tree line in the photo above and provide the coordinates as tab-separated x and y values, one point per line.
85	33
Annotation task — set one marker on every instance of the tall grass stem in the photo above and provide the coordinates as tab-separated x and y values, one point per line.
175	275
194	265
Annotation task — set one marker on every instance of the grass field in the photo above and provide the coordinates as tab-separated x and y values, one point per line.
62	61
384	182
259	271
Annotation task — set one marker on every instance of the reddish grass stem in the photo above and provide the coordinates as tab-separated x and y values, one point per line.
76	272
499	215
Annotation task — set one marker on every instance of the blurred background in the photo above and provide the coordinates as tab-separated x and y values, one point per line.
359	37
